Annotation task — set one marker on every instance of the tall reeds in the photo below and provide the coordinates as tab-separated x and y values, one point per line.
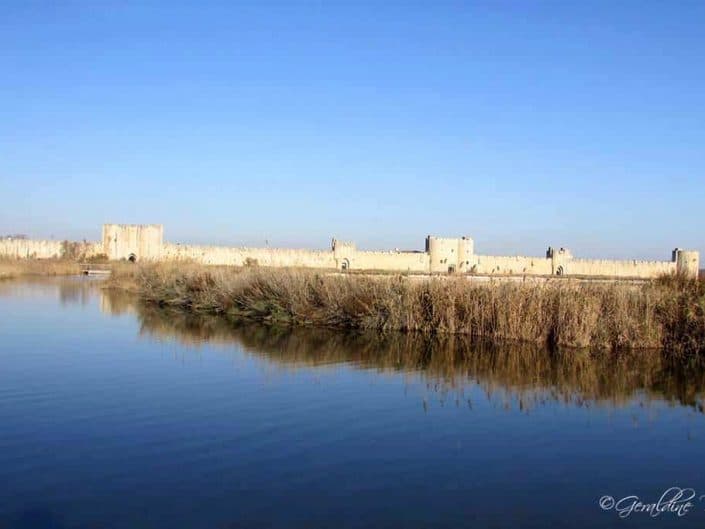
10	267
668	313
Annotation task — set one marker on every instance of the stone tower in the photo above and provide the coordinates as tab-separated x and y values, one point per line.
687	262
450	255
133	242
559	260
344	254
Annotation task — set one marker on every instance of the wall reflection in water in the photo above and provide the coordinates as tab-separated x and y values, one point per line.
518	375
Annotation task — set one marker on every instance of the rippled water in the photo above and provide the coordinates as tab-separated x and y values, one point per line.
114	415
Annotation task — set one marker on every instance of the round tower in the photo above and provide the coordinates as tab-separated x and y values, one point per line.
449	254
466	254
432	251
687	262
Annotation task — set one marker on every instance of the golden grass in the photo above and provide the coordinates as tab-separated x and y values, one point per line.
668	313
10	268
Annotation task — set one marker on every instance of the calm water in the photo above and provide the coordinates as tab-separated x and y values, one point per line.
116	416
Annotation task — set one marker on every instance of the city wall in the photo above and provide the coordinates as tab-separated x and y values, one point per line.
648	269
520	265
30	249
511	265
412	262
442	255
38	249
223	255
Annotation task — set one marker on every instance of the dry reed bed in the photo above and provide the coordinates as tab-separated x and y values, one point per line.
10	268
667	313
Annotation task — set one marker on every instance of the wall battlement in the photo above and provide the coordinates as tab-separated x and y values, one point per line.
442	255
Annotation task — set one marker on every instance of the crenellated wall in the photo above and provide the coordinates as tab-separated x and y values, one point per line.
28	248
38	249
633	268
442	255
222	255
348	257
511	265
570	266
416	262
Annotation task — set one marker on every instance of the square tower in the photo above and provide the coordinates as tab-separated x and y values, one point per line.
133	242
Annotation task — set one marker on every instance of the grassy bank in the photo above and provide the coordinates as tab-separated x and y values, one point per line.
10	268
667	313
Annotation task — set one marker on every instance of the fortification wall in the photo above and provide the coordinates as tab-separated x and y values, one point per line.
41	249
511	265
280	257
442	255
609	268
391	261
28	248
506	265
222	255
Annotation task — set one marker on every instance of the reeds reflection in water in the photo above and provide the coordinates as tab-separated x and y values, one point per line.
517	375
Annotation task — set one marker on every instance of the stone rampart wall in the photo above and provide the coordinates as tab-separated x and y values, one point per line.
442	255
391	261
511	265
609	268
222	255
28	248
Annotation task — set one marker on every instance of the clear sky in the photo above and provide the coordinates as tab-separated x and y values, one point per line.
520	124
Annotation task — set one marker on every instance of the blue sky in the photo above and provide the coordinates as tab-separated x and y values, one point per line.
521	124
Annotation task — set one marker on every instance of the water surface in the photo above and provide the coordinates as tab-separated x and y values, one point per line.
114	415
